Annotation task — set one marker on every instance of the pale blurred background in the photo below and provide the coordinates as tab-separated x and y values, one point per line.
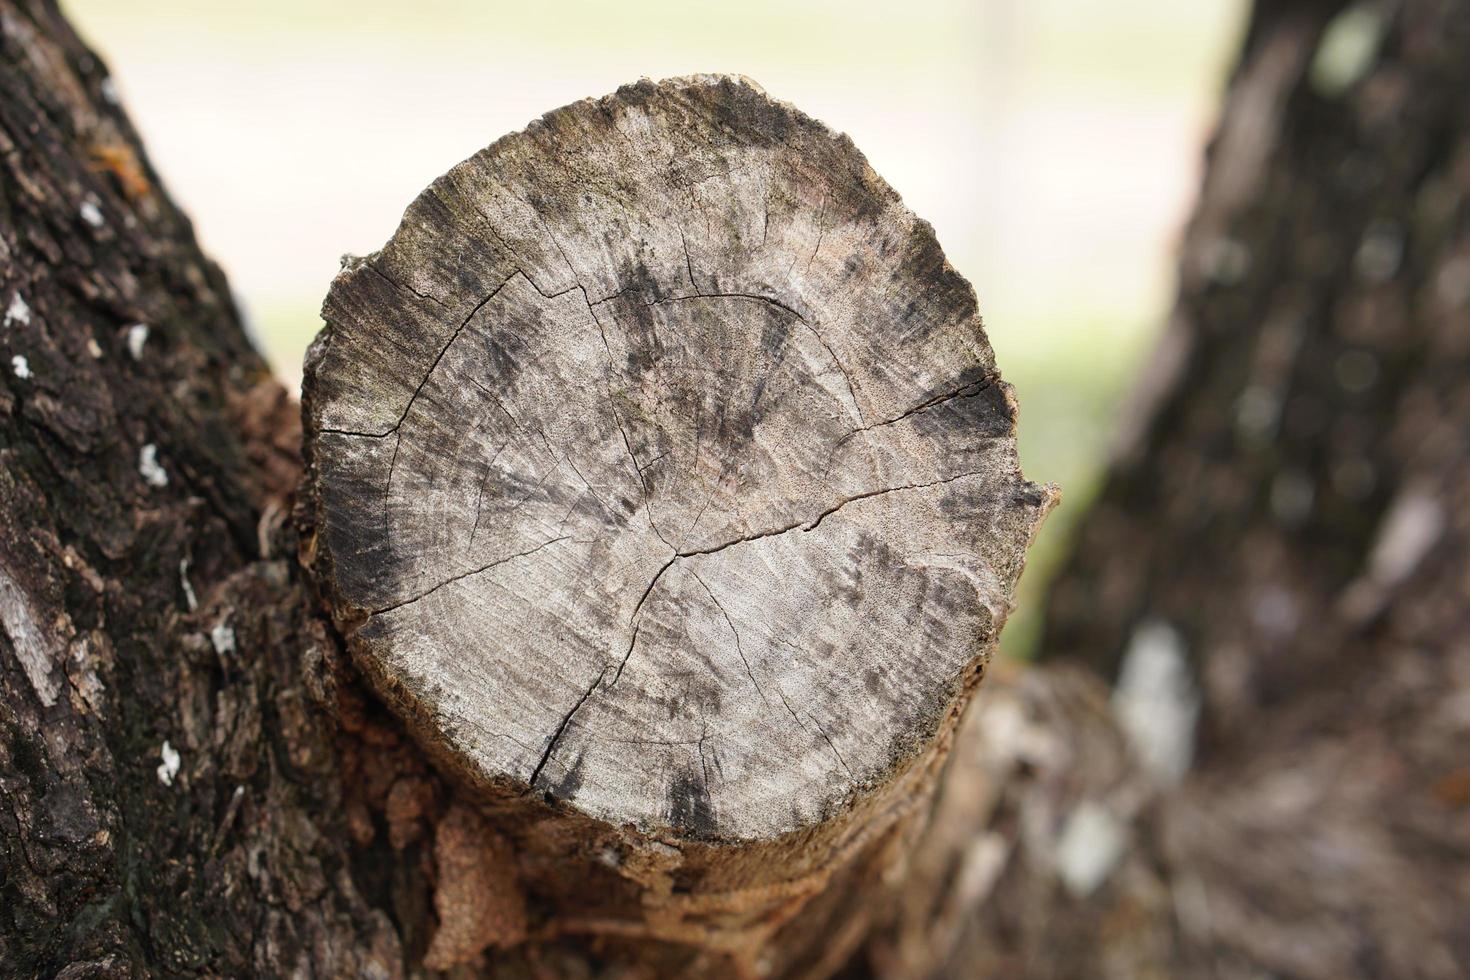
1055	145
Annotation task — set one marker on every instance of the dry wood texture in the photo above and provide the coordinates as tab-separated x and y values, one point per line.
659	463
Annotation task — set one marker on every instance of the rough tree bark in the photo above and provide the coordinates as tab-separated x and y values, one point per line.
1282	550
194	779
170	791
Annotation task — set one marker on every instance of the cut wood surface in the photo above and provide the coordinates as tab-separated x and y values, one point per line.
660	463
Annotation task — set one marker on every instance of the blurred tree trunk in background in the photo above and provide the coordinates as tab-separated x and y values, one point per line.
1277	571
1276	575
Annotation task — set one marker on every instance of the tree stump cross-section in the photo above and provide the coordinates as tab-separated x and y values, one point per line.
659	463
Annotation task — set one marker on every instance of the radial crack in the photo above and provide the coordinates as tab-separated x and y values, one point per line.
632	643
567	720
821	234
851	391
634	620
464	575
404	286
831	745
819	730
688	262
803	525
643	485
731	623
813	524
964	391
878	493
430	373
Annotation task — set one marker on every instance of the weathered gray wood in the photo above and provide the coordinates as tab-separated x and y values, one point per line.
660	463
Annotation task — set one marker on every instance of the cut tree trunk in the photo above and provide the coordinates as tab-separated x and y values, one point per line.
660	470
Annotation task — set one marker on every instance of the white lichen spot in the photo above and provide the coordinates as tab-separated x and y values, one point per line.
169	767
190	599
21	367
1347	50
222	635
137	337
148	466
1414	524
1380	253
1156	702
1089	848
1256	413
91	213
1453	282
108	88
30	641
1224	261
17	311
94	348
81	671
1292	495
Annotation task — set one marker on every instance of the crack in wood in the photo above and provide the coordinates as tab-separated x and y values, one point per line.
814	726
731	623
371	267
688	261
964	391
567	720
464	575
480	496
634	620
812	526
757	297
430	373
